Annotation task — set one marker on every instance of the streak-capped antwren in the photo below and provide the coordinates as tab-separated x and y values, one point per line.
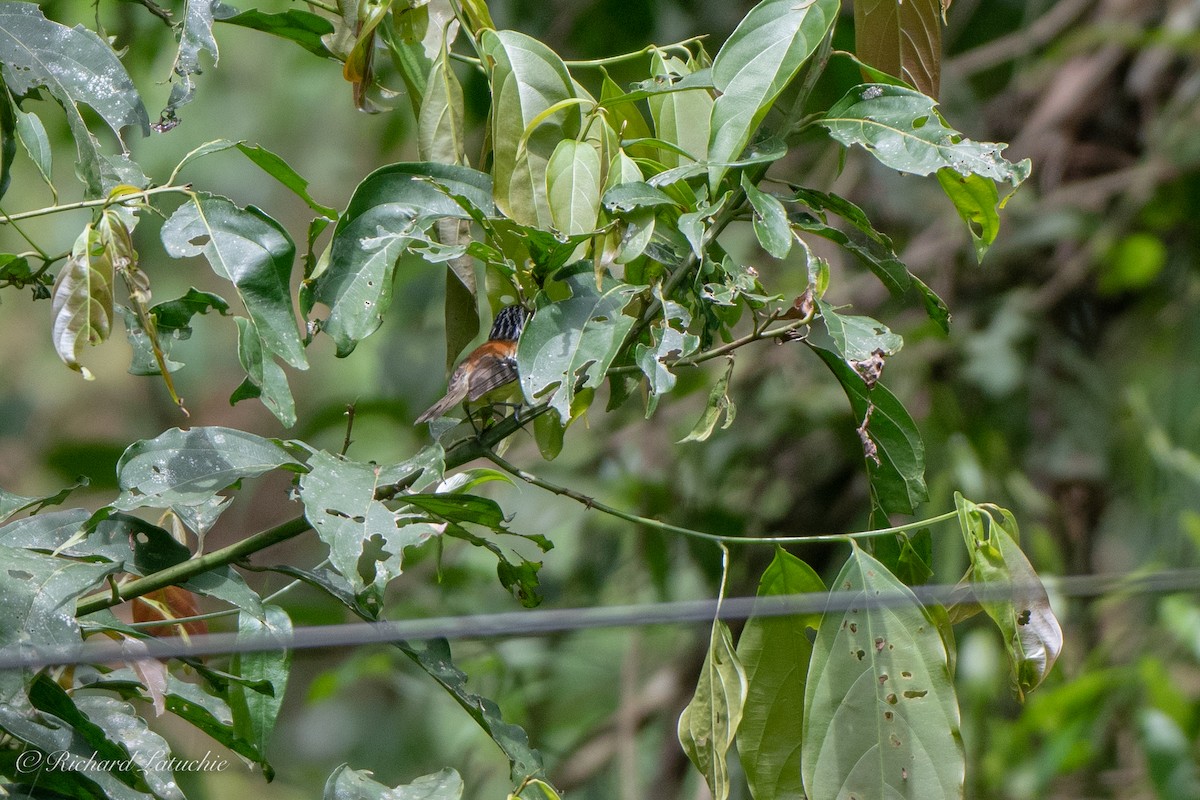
489	368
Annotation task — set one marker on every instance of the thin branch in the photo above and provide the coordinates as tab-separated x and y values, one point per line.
592	503
645	51
103	202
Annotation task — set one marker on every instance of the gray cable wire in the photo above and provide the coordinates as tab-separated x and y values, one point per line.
545	621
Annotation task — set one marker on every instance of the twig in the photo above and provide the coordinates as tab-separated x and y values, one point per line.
349	427
105	201
645	51
592	503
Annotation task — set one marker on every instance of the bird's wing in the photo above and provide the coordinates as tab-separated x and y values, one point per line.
491	372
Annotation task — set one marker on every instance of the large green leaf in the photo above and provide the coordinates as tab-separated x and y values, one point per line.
902	38
302	27
569	345
441	136
78	68
774	652
527	79
898	479
366	539
573	186
82	299
681	117
189	467
391	207
351	784
709	722
1011	593
761	56
904	131
254	252
254	713
880	714
211	715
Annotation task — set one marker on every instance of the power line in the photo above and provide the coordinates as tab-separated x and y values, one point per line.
546	621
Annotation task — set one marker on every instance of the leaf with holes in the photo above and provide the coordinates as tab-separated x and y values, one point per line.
366	539
880	714
902	38
190	467
254	252
760	58
527	80
78	68
669	342
904	131
709	722
775	653
388	210
569	345
1032	636
858	338
978	203
195	37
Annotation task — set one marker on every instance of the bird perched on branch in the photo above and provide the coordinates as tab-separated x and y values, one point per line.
489	368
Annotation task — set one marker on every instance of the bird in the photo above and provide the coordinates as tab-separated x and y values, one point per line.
491	366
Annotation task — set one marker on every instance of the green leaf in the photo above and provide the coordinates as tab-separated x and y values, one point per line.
195	37
441	136
898	480
680	116
770	220
223	583
858	338
254	713
265	379
633	196
880	714
573	186
903	130
8	139
668	342
37	604
282	171
1170	763
391	207
978	204
902	38
254	252
366	539
351	784
1011	593
624	116
569	345
760	58
513	741
719	403
709	722
190	467
82	299
774	652
77	67
527	78
302	27
14	503
211	715
174	317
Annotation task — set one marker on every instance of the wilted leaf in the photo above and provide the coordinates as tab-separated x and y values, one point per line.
902	38
82	300
880	714
351	784
195	37
1011	593
709	722
719	403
